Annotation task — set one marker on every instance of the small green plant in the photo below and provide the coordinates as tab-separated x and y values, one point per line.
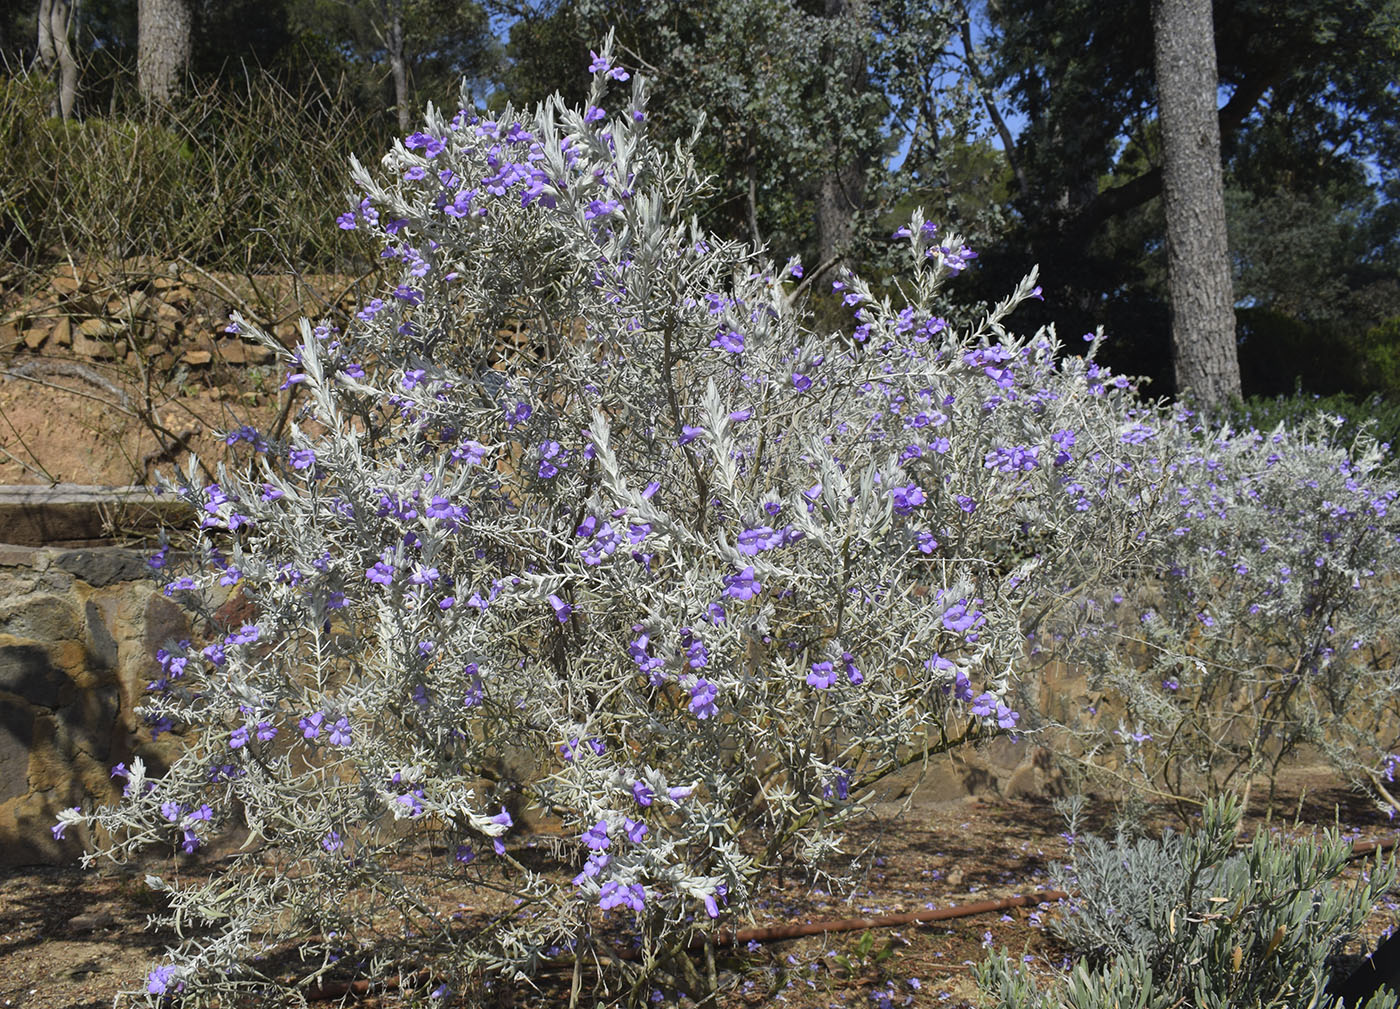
1197	920
863	957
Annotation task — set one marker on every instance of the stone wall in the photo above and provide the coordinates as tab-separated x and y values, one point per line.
79	631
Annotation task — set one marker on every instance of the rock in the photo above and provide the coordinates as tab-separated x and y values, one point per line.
91	921
103	566
96	329
101	646
65	285
241	352
31	515
26	671
16	738
62	335
196	358
41	617
127	308
91	340
34	337
10	337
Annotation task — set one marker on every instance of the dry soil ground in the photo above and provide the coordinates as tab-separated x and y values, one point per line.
72	939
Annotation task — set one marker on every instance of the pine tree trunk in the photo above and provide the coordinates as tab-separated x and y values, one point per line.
398	66
56	53
162	48
841	189
1198	260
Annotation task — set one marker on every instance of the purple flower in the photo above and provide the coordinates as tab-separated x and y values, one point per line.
302	458
730	341
848	662
424	575
340	732
642	792
596	836
245	635
702	699
159	981
760	538
58	828
1006	718
967	504
636	830
593	114
561	608
311	725
906	499
822	676
689	434
472	452
743	586
614	894
266	731
381	573
961	616
238	737
984	705
801	382
432	146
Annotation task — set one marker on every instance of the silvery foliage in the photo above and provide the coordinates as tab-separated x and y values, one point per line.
1268	625
686	599
1197	920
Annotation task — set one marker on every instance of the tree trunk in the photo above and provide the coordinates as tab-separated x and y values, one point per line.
841	190
1198	259
162	48
398	66
55	53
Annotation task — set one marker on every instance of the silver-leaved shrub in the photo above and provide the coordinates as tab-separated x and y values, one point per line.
676	580
1268	629
1201	920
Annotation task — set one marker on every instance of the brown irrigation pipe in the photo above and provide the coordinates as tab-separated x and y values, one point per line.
773	933
778	933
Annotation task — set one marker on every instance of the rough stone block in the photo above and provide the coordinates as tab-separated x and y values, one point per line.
27	671
103	566
16	739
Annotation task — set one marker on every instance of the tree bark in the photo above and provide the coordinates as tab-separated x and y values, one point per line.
841	191
55	53
1198	259
398	65
162	48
